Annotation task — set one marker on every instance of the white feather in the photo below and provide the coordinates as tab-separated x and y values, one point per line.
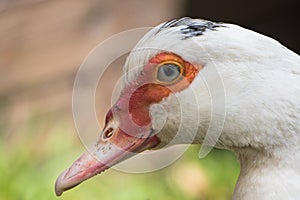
261	80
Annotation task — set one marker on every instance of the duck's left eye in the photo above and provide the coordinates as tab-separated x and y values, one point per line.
168	72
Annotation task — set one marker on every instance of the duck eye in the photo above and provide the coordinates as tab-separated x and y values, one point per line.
168	72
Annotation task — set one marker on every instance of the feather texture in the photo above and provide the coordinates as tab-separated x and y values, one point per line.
261	80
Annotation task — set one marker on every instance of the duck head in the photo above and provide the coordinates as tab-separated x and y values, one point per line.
169	69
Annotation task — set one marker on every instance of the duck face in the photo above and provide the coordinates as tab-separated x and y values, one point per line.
128	125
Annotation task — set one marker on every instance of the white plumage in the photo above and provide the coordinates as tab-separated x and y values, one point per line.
261	81
262	86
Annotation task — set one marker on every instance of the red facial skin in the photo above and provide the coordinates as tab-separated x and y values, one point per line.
149	90
133	133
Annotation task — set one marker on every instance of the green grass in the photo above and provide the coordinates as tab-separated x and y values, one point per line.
33	155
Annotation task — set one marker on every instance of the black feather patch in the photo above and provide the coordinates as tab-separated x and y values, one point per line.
191	27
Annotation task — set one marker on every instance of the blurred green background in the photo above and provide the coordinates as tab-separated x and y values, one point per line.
42	44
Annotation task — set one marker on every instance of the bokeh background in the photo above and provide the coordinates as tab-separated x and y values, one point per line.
43	43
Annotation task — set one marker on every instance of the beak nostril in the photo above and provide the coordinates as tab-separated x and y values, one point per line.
108	133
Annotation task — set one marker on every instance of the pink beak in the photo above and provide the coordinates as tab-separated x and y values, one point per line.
127	132
105	153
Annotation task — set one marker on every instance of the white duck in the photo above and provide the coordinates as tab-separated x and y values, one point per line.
261	80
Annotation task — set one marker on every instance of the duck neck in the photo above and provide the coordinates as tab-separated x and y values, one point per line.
268	174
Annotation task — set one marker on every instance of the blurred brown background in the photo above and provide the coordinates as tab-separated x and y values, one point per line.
43	43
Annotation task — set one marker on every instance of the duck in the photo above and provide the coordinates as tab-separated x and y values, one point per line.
223	86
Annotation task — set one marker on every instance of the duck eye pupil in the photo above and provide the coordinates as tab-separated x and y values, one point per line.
168	72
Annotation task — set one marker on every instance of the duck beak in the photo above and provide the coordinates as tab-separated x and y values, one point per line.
105	153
